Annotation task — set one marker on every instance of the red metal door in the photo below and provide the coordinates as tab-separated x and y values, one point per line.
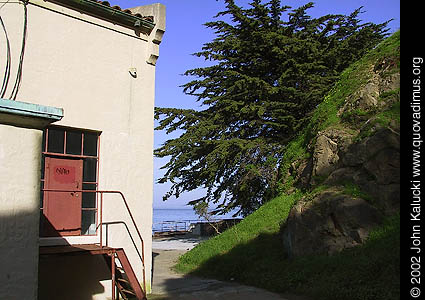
62	210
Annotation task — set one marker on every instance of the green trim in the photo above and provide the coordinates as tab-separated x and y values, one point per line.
106	12
30	115
30	109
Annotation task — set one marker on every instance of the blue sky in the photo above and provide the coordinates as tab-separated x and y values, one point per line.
185	34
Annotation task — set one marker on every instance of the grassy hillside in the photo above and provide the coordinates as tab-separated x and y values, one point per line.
262	224
368	272
252	251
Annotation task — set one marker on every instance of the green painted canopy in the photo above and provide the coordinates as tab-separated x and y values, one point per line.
29	115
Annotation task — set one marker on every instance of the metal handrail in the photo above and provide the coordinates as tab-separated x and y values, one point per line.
172	226
101	220
128	231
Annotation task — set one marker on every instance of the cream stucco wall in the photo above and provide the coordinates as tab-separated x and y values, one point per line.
19	211
82	64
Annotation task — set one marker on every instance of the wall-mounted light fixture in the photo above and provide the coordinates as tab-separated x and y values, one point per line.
133	72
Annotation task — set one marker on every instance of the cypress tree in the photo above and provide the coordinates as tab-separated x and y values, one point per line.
269	75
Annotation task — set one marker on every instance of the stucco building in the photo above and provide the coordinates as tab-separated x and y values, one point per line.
76	139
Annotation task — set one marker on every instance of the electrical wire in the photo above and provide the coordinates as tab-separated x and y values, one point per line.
4	4
8	61
21	57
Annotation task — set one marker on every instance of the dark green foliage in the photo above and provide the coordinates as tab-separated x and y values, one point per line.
268	76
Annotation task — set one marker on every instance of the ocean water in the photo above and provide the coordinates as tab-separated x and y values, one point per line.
162	214
177	219
173	219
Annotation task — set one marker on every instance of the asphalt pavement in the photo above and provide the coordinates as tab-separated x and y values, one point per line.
167	284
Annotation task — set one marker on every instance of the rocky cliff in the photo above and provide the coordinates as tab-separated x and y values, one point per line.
349	166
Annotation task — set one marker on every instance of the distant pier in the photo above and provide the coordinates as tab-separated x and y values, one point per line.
194	227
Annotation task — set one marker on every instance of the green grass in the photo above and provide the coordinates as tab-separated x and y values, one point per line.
252	251
326	114
371	271
353	190
265	221
158	297
384	119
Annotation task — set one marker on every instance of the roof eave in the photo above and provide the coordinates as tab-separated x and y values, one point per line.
109	13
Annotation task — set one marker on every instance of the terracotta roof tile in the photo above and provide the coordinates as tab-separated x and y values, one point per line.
106	3
103	9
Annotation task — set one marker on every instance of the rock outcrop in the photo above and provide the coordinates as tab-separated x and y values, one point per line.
363	154
330	222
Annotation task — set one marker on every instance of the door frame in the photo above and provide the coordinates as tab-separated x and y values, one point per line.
57	144
59	205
